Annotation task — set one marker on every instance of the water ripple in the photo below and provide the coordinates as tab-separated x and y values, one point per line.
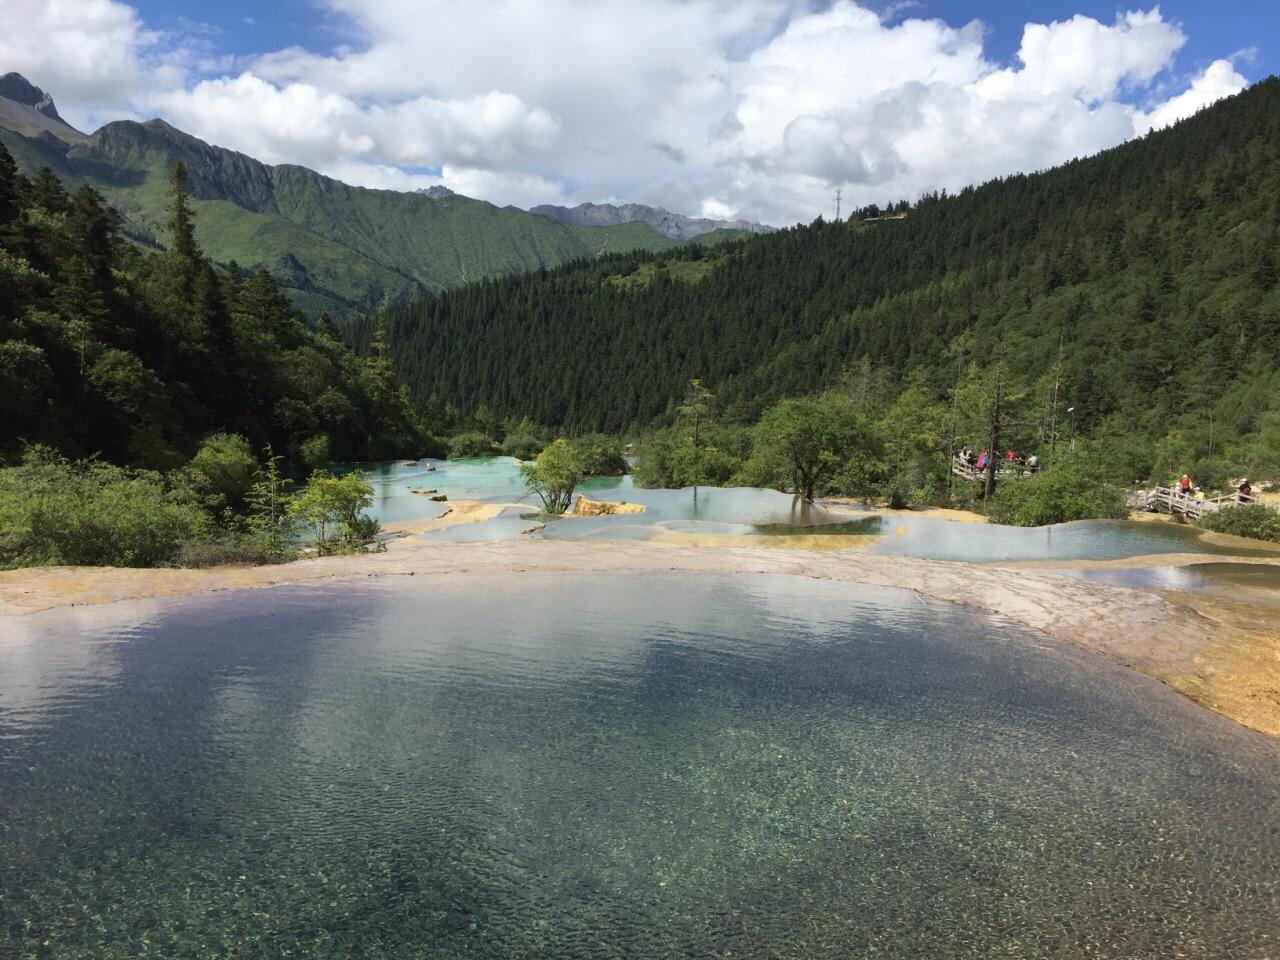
614	766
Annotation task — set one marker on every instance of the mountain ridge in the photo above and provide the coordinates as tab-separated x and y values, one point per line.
1140	287
27	109
674	226
337	248
16	87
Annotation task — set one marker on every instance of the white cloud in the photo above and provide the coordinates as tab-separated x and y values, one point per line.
299	122
84	52
1218	80
1085	59
758	108
519	189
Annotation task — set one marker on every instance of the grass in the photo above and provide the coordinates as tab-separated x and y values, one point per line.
684	271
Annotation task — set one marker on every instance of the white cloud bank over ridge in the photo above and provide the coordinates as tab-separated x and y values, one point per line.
755	108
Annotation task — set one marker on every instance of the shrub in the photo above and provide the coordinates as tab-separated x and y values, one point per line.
554	476
1210	474
268	501
652	468
522	446
472	444
1066	492
223	470
230	550
1250	520
90	513
334	510
804	445
600	456
702	466
315	451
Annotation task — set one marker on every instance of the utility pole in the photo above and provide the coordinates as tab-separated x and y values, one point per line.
993	451
837	204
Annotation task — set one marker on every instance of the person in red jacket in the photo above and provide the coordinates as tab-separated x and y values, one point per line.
1185	486
1244	492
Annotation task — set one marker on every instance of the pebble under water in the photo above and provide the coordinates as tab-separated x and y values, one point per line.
599	766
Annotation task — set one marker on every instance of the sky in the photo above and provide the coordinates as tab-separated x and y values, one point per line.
724	108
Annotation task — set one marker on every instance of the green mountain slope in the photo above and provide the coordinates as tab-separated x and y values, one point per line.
1153	264
136	357
333	247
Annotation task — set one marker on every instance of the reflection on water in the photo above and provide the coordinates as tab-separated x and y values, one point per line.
488	479
510	524
936	539
747	511
731	510
609	766
1221	578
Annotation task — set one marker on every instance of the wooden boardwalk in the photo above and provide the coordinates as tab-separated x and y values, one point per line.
1004	470
1168	498
1177	502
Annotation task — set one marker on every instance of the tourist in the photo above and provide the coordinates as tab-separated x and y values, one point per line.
1184	486
982	460
1200	494
1244	492
1033	463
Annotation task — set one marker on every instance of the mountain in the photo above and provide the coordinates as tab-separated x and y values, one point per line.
27	109
673	226
139	358
337	248
1150	269
16	87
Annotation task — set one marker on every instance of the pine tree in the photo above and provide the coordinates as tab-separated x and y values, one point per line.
181	223
10	200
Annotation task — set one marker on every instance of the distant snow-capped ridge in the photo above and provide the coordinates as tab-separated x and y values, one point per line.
436	193
672	225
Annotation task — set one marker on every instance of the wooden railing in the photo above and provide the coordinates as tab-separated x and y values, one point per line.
1004	469
1178	502
1171	498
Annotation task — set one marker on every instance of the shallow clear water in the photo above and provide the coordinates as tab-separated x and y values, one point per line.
518	766
1218	577
745	510
489	479
510	524
936	539
734	510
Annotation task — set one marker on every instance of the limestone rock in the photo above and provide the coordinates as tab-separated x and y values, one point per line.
601	508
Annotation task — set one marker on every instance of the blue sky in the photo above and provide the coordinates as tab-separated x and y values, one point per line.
1214	29
723	108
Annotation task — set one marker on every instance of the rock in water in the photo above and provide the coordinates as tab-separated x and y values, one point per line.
601	508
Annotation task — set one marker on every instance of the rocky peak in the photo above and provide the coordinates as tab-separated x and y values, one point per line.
16	87
435	193
671	225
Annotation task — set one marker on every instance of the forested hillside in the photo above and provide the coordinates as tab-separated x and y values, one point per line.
332	247
106	350
1142	282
